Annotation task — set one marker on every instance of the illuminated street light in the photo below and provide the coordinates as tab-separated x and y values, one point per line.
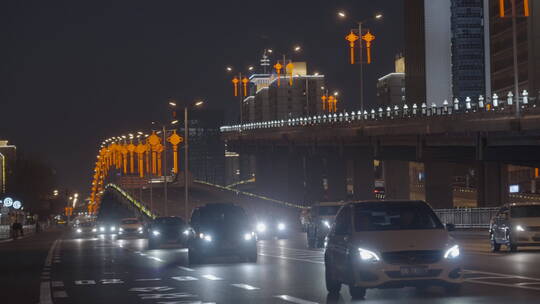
174	122
172	103
269	51
297	48
342	14
378	16
250	68
199	103
229	69
336	93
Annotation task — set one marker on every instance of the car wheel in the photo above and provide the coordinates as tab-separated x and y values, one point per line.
356	292
332	285
495	247
452	288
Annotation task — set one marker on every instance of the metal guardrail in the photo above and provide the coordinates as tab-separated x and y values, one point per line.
467	217
268	199
132	200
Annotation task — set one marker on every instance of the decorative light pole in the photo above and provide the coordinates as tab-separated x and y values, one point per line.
368	38
240	84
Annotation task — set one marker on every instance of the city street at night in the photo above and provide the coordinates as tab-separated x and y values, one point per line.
308	152
105	269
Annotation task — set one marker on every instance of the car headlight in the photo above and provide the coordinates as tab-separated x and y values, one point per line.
452	253
281	226
248	236
113	228
520	228
156	232
326	224
261	227
102	229
208	238
94	229
139	229
368	255
121	229
186	232
79	230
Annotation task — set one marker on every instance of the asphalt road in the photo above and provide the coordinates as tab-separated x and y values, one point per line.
54	268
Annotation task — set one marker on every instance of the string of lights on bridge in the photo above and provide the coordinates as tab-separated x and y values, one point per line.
397	112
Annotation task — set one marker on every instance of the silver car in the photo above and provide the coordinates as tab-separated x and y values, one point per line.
516	224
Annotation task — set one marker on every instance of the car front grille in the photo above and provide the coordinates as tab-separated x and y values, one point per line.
429	273
412	257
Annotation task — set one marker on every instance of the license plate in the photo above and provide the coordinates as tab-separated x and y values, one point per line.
413	271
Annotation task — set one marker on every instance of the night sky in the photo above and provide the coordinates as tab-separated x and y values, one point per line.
75	72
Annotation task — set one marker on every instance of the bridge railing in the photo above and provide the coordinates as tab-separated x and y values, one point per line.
467	217
141	207
480	108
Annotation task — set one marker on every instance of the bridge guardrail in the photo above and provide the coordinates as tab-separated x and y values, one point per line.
494	106
467	217
132	200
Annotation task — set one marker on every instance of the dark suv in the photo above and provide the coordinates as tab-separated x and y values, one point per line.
168	230
221	230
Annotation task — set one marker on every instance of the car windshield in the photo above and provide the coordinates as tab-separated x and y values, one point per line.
130	221
395	216
328	210
525	211
87	224
168	221
223	217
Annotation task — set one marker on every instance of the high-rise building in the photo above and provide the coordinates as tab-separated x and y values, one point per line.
206	149
391	87
8	155
468	51
463	48
270	101
427	50
528	39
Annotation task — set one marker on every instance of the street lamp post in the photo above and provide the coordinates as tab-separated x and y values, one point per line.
187	106
240	87
361	57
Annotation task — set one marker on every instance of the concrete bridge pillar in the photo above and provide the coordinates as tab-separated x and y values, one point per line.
397	179
363	174
263	172
492	188
314	168
439	192
336	176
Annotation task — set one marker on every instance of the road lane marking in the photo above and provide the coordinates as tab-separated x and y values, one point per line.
185	278
245	286
85	282
211	277
45	293
186	268
60	294
57	284
176	295
294	300
144	280
155	259
151	289
289	258
111	281
502	284
48	259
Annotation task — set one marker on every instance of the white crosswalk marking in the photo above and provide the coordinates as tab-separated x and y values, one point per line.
85	282
112	281
245	286
144	280
294	300
57	284
151	289
60	294
185	268
211	277
185	278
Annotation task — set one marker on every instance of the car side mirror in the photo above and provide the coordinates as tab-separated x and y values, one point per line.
450	227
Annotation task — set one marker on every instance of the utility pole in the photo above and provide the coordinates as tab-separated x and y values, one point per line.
186	162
